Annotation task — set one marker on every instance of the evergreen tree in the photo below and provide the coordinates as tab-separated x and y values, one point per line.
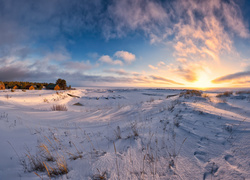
62	83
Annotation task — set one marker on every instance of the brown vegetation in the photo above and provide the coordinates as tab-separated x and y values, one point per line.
2	86
188	93
59	107
225	94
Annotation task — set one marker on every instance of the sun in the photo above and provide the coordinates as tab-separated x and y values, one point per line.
203	81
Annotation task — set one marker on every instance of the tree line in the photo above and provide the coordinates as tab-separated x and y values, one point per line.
23	85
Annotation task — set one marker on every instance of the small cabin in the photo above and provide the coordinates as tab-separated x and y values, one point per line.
53	87
2	86
30	87
15	87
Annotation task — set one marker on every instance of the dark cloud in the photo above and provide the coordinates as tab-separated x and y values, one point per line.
12	73
232	77
26	22
165	80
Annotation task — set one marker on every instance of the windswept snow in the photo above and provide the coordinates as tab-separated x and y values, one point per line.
126	134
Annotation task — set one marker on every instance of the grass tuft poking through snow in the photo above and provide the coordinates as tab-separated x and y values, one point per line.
118	132
100	175
225	94
7	96
48	159
59	107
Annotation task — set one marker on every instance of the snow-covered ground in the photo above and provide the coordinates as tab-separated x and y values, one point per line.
124	134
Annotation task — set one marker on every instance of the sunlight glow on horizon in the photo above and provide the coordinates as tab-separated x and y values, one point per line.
203	82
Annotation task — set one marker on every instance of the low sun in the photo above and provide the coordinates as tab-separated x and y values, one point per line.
203	81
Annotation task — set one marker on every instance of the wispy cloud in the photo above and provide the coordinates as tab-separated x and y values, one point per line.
131	15
234	19
236	77
190	71
159	78
188	74
77	65
152	67
120	72
160	65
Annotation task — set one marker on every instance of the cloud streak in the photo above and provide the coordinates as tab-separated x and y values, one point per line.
158	78
233	77
120	72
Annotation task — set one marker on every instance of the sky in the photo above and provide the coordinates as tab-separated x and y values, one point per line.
126	43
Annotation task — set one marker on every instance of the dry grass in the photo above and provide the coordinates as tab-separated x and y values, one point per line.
35	162
118	132
100	175
59	107
7	96
134	129
243	92
151	100
47	159
188	93
77	155
116	162
225	94
205	96
45	152
57	168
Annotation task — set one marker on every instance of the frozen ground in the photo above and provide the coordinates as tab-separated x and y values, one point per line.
124	134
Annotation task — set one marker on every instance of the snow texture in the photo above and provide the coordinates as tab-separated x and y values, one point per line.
124	134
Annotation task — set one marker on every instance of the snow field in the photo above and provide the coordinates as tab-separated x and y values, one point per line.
124	134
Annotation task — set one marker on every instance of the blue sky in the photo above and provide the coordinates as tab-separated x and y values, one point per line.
126	43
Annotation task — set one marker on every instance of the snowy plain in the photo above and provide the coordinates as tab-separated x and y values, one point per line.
124	134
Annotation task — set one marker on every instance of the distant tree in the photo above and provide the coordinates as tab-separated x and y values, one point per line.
62	83
58	81
40	86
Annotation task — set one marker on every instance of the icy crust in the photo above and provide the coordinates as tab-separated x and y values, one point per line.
124	134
